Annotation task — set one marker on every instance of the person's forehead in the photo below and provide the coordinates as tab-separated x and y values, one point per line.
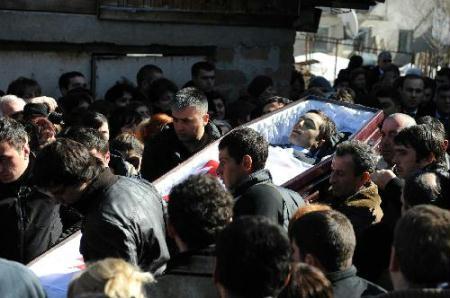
204	72
77	79
344	162
413	82
317	119
5	147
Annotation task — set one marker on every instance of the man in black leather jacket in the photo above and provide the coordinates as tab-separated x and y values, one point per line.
189	133
122	217
242	156
30	222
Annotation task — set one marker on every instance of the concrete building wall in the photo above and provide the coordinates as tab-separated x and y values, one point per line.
240	53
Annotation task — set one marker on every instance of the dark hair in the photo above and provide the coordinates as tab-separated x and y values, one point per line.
444	71
238	111
12	132
253	257
202	65
64	162
199	208
307	282
355	61
64	79
118	90
126	142
391	68
327	130
93	120
362	156
246	141
103	107
334	247
411	77
442	88
146	71
258	85
89	137
24	88
73	100
423	139
214	95
159	87
427	187
121	118
388	92
422	246
429	83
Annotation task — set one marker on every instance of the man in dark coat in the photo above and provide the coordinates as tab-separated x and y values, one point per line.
30	221
242	156
326	240
190	132
353	192
199	208
122	217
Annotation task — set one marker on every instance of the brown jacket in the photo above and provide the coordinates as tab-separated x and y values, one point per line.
363	208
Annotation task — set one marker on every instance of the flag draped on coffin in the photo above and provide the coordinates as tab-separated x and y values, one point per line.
57	267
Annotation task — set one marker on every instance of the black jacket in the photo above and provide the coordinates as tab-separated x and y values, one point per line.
257	195
346	284
30	221
165	151
189	275
123	217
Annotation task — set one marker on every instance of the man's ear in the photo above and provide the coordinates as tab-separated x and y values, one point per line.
365	177
205	118
26	151
430	158
445	145
247	163
107	157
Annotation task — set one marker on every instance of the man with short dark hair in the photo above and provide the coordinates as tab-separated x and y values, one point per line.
71	80
420	256
189	133
30	221
123	217
199	208
203	75
252	259
417	147
144	78
326	240
354	193
442	103
242	156
412	93
25	88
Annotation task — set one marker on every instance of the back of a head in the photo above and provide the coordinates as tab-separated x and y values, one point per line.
422	246
246	141
89	137
303	210
64	162
190	97
355	61
199	208
258	85
202	65
114	278
24	88
423	139
403	120
126	142
334	247
426	188
307	282
146	73
361	153
93	120
253	257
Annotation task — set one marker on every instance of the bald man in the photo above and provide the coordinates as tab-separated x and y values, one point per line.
392	125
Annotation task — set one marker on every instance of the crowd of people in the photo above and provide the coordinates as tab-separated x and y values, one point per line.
380	226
